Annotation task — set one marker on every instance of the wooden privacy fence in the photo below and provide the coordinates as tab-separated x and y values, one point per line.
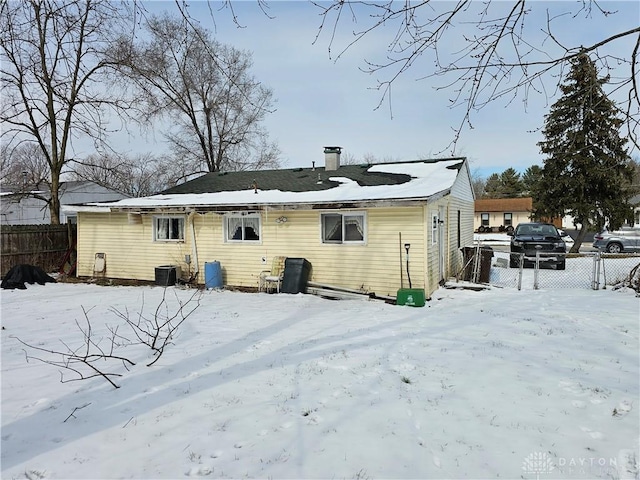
44	246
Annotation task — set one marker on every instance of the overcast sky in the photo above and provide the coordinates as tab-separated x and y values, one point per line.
321	101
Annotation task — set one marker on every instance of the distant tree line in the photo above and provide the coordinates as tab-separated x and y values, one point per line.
508	184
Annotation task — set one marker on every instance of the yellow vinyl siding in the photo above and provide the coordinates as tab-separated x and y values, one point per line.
372	267
130	249
452	254
431	266
466	232
375	266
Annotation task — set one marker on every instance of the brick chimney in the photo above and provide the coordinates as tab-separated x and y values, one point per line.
332	158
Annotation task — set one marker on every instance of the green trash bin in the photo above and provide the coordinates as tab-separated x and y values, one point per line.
412	297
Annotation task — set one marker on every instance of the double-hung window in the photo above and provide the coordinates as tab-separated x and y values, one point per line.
343	227
508	220
242	227
168	229
484	219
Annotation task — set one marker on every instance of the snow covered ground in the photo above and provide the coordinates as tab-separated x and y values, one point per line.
498	383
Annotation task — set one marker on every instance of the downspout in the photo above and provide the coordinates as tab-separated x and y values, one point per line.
194	247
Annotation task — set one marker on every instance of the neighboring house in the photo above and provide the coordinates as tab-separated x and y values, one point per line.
499	214
20	205
635	201
350	222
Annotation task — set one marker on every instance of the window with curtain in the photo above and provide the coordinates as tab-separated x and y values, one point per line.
343	228
242	227
167	229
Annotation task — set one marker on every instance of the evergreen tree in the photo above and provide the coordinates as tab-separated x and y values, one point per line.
530	178
492	188
503	185
587	172
510	184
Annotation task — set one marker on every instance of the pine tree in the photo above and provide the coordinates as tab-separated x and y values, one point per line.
587	172
530	178
503	185
493	186
510	184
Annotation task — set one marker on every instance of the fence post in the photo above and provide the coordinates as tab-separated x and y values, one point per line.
595	284
520	268
536	270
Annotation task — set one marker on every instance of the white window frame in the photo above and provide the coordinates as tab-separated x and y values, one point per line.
344	215
435	222
243	217
170	228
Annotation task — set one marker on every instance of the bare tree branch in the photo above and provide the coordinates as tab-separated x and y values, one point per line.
483	51
82	359
159	330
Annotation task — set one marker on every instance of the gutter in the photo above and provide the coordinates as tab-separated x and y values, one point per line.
321	205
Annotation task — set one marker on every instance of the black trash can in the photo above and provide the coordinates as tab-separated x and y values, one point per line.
486	254
485	264
296	275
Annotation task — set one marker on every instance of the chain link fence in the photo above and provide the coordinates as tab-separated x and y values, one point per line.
589	270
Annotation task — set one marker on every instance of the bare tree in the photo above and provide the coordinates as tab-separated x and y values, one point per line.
487	51
478	183
24	165
53	56
214	105
137	176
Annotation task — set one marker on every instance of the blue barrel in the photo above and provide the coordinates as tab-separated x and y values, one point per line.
212	275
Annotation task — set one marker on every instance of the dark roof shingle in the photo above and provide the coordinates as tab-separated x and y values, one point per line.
286	180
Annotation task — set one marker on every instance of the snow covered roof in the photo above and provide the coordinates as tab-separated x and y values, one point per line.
416	180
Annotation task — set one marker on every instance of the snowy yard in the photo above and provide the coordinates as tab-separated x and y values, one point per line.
498	383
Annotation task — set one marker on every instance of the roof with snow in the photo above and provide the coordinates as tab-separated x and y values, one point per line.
522	204
414	180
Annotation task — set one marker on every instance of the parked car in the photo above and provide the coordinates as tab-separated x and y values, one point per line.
529	238
618	241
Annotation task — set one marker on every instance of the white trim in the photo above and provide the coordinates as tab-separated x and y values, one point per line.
435	217
169	217
343	214
241	216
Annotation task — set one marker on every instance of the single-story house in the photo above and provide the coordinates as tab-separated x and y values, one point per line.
355	224
501	214
28	204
